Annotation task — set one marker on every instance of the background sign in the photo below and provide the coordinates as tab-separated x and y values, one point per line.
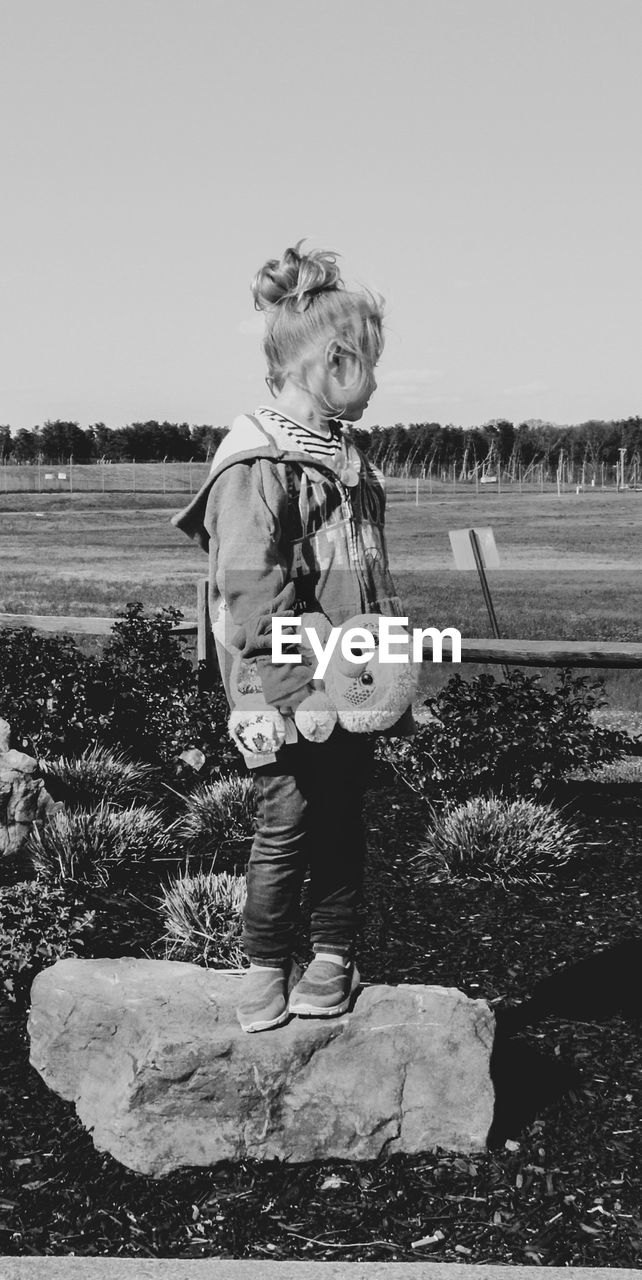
463	552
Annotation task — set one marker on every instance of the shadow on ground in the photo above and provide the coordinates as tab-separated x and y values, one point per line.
526	1081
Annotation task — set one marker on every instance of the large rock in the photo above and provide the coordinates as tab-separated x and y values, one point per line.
162	1075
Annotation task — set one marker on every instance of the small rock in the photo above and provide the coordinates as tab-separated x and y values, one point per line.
20	761
24	799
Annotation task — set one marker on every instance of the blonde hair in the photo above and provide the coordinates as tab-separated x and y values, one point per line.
308	311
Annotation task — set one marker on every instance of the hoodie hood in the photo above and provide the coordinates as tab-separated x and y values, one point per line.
246	440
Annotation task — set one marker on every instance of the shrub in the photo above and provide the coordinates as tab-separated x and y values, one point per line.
505	842
202	917
104	847
99	774
510	737
39	924
50	691
148	679
218	821
155	707
143	696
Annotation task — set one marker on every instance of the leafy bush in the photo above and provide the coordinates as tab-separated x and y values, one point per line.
156	708
218	821
506	842
148	681
39	924
202	918
49	691
142	696
99	774
511	736
103	847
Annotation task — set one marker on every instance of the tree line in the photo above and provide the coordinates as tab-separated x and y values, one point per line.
57	442
500	445
414	449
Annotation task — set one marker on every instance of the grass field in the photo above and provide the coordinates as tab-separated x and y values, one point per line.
571	567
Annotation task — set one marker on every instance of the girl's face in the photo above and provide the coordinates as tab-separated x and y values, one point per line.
367	390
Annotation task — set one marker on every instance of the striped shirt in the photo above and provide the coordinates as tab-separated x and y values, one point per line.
303	439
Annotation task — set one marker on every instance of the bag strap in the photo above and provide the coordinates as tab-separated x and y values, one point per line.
294	527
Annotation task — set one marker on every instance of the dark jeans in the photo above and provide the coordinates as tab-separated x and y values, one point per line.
308	818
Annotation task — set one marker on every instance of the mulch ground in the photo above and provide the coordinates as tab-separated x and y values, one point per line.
561	1183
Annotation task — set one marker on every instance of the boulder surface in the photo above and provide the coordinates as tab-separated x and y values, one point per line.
163	1077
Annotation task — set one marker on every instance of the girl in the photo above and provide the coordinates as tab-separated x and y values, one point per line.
292	516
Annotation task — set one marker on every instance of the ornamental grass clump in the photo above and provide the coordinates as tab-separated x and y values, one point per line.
500	841
218	821
99	774
202	919
103	848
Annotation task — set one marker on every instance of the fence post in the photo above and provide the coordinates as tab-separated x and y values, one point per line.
205	650
481	570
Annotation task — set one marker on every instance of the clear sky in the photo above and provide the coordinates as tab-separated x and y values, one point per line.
476	161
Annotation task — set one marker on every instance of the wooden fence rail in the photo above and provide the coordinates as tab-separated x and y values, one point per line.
547	653
521	653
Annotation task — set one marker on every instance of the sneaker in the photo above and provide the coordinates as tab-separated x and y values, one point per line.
264	999
325	990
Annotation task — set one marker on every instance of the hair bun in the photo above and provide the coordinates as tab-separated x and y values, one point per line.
296	277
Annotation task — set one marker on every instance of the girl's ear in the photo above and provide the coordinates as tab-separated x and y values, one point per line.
333	356
341	364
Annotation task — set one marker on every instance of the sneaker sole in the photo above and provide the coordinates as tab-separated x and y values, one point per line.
266	1025
322	1011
